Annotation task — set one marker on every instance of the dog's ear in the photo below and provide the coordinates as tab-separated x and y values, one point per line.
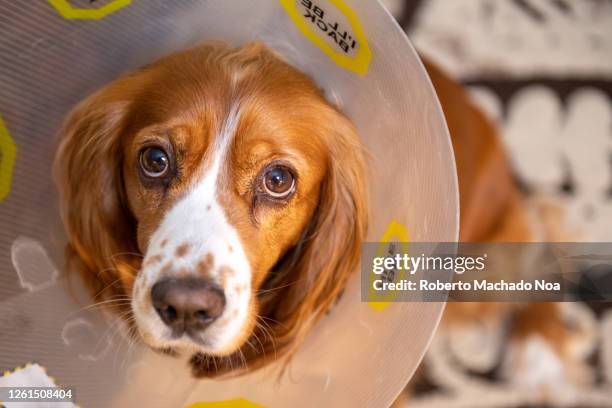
315	273
87	170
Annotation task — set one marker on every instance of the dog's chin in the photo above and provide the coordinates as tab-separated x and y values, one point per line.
187	346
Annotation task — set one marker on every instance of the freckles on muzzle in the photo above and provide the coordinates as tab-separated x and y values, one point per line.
186	298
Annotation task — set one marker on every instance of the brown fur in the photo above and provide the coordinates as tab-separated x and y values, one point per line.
492	209
301	253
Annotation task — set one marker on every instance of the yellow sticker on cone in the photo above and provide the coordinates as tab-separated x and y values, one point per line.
396	234
8	152
69	12
234	403
333	27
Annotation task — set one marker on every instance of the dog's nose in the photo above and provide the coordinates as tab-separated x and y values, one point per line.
188	304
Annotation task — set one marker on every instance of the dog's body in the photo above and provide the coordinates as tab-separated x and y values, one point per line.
493	209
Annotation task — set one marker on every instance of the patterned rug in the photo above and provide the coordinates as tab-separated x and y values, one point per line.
542	70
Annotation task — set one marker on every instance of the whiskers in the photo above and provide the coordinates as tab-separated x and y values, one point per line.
124	327
264	327
266	291
119	316
203	363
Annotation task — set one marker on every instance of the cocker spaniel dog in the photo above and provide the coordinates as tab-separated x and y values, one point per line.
219	192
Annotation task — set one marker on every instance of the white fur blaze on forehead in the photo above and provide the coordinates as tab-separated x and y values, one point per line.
198	222
228	131
198	218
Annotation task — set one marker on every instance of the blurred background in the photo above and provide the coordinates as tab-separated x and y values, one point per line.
542	71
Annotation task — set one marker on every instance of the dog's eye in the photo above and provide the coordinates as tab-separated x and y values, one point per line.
154	161
278	182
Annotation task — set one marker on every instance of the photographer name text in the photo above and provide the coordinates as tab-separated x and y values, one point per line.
476	284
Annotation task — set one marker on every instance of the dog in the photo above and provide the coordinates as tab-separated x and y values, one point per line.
218	199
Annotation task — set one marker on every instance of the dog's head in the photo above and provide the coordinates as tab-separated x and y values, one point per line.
219	192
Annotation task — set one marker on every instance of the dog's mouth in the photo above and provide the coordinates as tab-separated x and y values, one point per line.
166	351
188	343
